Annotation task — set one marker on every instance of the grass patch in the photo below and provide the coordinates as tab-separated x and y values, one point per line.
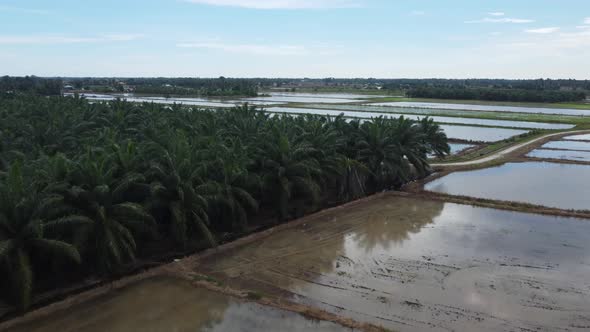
255	296
209	279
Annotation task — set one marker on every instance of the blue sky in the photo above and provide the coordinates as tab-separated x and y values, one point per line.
296	38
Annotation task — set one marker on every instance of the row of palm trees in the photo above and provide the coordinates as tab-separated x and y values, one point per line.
89	188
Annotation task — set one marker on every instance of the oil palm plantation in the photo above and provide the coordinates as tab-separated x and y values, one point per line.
109	182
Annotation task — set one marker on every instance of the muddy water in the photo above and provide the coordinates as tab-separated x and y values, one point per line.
568	145
560	154
168	304
415	265
541	183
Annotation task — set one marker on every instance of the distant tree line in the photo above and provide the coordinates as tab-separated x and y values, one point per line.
207	87
496	94
31	85
193	86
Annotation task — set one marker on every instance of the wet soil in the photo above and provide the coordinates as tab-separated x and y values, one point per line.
415	265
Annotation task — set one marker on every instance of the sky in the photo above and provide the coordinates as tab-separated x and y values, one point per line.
296	38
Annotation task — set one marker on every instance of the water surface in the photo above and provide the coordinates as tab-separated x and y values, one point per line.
568	145
480	134
542	183
560	154
420	265
168	304
457	147
491	108
585	137
337	95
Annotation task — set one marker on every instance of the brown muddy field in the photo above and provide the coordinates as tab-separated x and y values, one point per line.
169	304
415	265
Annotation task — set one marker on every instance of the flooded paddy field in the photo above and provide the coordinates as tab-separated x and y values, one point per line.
300	99
439	119
325	95
457	147
568	145
479	134
578	137
555	185
489	108
574	155
170	304
416	265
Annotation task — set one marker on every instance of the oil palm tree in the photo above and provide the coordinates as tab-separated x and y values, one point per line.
434	137
178	189
378	150
109	239
288	170
23	236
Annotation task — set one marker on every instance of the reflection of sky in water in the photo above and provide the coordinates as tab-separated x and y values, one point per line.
366	260
469	233
579	137
568	145
541	183
560	154
491	108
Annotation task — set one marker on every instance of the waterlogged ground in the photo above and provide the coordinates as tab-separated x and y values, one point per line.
490	108
480	134
555	185
456	147
560	154
168	304
579	137
416	265
568	145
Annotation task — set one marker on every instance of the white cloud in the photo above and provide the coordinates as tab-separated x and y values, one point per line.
542	30
501	20
496	14
587	20
61	39
256	49
281	4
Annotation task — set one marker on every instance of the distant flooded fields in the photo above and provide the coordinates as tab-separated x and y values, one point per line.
490	108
